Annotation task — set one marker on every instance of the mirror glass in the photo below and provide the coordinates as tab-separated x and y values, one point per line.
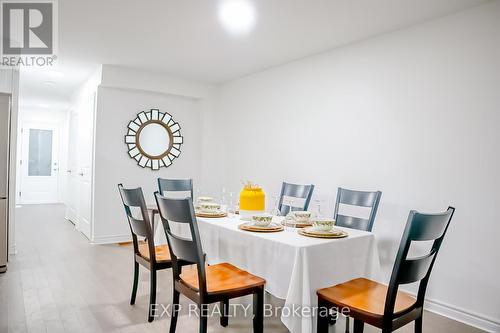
154	139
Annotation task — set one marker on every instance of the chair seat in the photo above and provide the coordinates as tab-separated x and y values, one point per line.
162	252
221	278
365	298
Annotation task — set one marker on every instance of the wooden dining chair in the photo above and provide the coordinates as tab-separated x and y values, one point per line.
384	306
172	185
175	185
201	283
295	191
153	258
356	198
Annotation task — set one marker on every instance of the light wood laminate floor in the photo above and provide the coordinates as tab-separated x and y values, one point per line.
58	282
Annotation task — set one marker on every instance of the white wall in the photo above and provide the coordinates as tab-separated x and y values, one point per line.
122	93
415	114
116	108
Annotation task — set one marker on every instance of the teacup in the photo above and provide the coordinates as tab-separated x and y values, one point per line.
323	224
209	207
301	216
262	220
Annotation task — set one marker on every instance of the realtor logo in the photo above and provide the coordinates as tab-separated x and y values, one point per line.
28	28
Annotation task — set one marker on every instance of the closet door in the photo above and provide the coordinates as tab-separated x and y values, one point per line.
85	161
80	162
72	169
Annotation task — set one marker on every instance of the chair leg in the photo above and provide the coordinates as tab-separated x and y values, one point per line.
258	311
358	326
418	325
323	316
347	324
152	296
136	282
203	318
224	308
175	311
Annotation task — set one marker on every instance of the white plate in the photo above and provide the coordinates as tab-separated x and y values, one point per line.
271	225
313	230
211	212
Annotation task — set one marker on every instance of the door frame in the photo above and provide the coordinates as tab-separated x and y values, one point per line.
22	161
71	171
86	107
90	100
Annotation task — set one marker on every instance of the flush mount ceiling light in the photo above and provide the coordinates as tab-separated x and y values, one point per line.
237	16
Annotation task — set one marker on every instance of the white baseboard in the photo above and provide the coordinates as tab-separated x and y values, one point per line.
464	316
111	239
467	317
39	202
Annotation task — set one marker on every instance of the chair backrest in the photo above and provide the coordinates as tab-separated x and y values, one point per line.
357	198
419	227
140	226
175	185
182	249
295	191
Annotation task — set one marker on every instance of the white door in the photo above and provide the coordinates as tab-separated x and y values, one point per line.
85	150
39	163
72	170
79	172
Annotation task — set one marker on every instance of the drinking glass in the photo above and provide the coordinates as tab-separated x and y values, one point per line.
231	209
223	203
289	219
275	211
197	194
290	212
318	211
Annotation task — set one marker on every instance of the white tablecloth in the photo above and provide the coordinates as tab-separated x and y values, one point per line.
293	266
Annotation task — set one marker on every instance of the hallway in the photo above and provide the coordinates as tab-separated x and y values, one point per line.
57	282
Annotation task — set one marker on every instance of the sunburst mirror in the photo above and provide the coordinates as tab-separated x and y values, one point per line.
154	139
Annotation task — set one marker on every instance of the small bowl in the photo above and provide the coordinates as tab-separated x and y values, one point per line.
301	216
205	199
262	220
323	224
209	206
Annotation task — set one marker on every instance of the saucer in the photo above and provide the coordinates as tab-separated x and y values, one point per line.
333	233
249	226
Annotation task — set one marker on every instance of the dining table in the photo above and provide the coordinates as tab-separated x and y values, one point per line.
294	266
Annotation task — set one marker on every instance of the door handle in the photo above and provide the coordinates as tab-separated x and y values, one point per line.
68	171
81	174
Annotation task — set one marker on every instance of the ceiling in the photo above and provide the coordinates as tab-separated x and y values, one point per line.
185	39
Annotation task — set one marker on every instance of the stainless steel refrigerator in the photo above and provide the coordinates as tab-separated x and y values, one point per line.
4	179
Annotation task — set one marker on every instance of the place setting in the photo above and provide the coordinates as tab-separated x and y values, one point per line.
322	227
316	226
207	207
261	223
297	219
